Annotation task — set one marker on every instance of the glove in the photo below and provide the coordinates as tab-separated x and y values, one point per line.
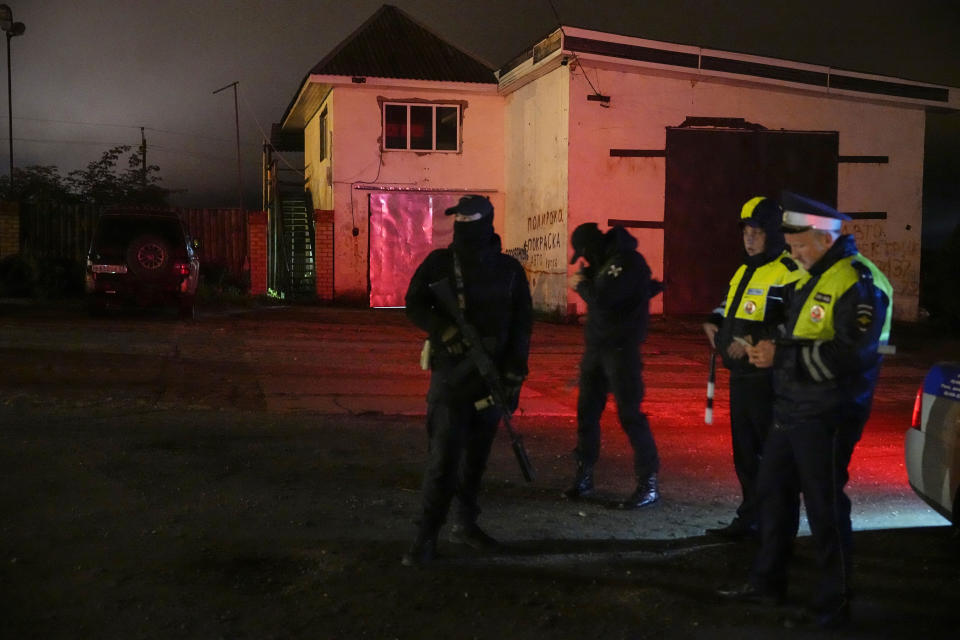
452	341
512	383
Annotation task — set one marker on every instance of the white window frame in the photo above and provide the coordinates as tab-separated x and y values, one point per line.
433	142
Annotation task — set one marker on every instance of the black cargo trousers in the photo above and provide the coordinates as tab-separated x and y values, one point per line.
616	369
460	440
751	416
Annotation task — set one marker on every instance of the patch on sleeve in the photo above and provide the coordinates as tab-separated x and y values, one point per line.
864	316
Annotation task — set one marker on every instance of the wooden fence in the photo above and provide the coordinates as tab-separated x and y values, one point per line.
64	232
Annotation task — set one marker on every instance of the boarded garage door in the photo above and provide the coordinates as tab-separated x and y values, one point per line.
710	173
404	228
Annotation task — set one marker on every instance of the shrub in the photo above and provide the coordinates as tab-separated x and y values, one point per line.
17	277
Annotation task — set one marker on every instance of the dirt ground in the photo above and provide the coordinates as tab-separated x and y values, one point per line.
158	484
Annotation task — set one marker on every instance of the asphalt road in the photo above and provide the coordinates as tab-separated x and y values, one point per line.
255	474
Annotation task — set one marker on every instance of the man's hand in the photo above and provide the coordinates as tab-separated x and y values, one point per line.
574	280
711	330
761	354
453	342
512	383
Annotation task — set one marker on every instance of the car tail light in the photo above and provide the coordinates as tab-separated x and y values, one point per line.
182	268
917	409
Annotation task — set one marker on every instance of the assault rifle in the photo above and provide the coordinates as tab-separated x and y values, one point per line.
488	371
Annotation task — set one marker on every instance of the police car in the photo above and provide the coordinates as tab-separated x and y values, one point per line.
932	446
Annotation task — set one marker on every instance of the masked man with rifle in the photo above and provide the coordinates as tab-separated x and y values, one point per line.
493	297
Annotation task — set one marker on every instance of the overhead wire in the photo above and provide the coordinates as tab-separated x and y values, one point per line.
556	14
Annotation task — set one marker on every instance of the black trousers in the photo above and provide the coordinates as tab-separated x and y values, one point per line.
616	370
751	414
811	459
460	441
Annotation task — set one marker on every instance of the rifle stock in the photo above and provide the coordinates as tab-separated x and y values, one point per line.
488	371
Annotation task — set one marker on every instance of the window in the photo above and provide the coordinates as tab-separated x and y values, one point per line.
323	135
421	127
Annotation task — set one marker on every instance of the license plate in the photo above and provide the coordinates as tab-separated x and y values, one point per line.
109	268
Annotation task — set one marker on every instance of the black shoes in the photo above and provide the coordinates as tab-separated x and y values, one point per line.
748	592
821	619
422	551
645	494
737	530
473	536
582	486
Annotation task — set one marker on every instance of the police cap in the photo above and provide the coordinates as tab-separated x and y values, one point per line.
803	214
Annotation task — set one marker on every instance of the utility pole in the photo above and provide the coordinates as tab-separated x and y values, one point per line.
236	116
143	161
12	29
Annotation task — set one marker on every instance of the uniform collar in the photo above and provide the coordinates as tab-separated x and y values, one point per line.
844	246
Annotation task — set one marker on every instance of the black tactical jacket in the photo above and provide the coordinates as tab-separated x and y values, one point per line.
498	305
617	293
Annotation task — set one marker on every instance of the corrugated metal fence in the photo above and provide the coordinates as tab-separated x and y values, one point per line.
58	231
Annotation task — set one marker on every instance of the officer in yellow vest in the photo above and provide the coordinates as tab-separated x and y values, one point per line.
742	316
825	366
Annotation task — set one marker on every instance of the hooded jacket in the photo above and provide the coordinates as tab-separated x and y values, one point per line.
617	287
744	311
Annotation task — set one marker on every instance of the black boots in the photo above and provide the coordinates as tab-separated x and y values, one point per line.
738	529
473	536
422	551
645	494
582	484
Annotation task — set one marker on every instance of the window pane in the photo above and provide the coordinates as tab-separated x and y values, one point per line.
395	126
421	127
447	128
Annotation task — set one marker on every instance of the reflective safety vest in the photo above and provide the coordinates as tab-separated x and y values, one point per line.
881	282
815	321
753	302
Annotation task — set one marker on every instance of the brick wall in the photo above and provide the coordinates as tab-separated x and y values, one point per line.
9	229
257	251
323	252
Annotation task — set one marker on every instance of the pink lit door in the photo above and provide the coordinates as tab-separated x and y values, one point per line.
404	228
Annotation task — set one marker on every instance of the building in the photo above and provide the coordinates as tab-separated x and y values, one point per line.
668	140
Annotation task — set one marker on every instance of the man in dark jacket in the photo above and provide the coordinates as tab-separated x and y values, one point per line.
616	285
825	366
493	294
742	318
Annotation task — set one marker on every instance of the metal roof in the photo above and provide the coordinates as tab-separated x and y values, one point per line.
391	44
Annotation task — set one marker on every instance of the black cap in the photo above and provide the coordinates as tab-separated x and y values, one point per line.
470	206
585	235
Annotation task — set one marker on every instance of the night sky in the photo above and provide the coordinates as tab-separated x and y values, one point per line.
88	74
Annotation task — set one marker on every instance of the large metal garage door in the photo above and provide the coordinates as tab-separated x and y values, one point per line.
404	228
710	173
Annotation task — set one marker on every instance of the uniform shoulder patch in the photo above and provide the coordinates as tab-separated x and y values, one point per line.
614	270
863	270
789	263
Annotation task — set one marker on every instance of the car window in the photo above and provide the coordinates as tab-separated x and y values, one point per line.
114	233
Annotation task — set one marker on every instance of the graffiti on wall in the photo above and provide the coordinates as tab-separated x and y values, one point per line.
546	245
544	256
898	259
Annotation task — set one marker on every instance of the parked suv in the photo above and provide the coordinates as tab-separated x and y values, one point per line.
143	258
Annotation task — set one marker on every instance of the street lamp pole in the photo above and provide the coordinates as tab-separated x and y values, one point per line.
236	118
12	29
